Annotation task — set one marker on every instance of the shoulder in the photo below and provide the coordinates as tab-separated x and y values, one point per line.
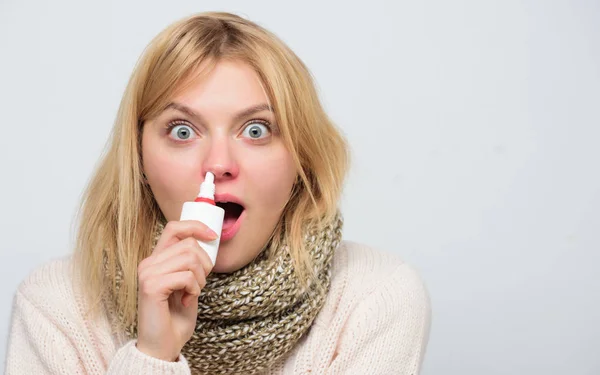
49	293
363	269
52	328
49	281
379	308
367	283
51	300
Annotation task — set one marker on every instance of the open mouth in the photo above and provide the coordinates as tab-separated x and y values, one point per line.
233	211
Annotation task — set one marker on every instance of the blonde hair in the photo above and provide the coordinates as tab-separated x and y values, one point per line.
118	212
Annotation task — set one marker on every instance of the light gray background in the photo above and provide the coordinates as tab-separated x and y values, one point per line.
474	127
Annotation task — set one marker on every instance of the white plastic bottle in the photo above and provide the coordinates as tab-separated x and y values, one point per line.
204	210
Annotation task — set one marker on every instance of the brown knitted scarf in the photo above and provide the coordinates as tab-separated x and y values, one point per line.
249	319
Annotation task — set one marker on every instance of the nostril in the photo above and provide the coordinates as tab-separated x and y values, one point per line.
220	174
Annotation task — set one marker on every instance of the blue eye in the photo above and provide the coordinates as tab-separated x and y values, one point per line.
181	132
256	130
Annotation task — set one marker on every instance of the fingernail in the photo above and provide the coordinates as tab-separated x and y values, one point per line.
213	235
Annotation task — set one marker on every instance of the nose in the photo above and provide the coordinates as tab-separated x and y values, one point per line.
220	160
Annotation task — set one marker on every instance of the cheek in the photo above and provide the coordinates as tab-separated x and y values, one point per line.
172	174
272	179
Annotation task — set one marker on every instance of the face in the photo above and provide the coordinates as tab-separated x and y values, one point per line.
222	124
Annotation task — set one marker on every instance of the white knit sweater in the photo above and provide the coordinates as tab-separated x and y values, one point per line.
375	320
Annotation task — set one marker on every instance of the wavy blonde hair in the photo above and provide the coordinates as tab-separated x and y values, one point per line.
118	212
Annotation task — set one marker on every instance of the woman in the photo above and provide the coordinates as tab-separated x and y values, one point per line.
217	93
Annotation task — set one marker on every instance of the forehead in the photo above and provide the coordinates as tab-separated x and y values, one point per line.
230	84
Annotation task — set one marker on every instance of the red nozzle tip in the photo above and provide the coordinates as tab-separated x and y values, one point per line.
207	200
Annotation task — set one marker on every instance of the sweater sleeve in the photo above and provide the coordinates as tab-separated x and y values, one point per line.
46	339
129	360
387	332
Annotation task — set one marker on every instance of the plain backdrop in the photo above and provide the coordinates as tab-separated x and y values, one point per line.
474	127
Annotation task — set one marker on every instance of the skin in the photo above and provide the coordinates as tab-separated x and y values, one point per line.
249	160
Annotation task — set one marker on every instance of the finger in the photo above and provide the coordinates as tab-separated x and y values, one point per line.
187	245
161	288
189	299
176	231
185	259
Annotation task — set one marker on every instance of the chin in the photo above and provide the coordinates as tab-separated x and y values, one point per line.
225	265
230	258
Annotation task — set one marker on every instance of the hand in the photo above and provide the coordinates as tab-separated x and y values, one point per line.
169	283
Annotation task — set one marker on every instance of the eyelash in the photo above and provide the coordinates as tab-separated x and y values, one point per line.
174	123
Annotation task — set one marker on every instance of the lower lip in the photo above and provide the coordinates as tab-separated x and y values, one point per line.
231	232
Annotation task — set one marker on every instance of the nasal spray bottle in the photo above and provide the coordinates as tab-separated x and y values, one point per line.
204	210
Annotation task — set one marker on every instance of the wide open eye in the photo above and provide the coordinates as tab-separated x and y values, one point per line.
256	130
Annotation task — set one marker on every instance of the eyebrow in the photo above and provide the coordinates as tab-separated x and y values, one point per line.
238	117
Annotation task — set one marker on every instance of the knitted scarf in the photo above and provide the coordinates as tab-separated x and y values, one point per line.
251	318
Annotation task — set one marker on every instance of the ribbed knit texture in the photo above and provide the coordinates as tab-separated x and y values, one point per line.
375	320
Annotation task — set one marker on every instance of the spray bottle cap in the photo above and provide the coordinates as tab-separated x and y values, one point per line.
207	189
